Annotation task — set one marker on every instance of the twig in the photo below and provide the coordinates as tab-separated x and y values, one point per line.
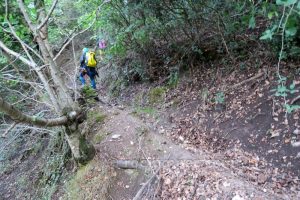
224	42
229	132
140	149
48	15
9	129
68	42
295	99
246	81
139	194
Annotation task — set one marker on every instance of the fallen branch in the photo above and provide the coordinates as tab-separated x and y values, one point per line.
246	81
9	129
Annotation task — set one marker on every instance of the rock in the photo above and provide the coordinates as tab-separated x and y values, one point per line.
168	181
237	197
161	131
121	107
116	136
181	138
296	144
226	184
262	178
296	132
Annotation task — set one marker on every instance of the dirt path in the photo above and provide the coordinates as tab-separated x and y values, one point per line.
182	174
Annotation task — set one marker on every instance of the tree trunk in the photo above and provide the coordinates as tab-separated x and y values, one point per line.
82	150
60	97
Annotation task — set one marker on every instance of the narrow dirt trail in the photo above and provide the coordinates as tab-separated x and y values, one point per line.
182	174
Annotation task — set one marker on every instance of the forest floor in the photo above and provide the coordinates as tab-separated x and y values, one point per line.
250	134
165	170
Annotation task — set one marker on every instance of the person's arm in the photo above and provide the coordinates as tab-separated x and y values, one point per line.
82	61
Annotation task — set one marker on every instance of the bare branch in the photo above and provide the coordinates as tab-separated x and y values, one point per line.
70	40
17	55
94	20
18	116
9	129
27	19
48	15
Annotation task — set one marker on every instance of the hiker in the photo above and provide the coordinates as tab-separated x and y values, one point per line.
88	67
101	46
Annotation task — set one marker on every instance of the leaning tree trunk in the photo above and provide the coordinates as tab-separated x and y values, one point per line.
82	150
61	98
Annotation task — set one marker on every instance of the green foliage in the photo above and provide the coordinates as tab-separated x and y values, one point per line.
137	31
173	80
286	24
291	108
283	91
220	98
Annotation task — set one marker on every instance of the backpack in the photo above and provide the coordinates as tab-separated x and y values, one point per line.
90	59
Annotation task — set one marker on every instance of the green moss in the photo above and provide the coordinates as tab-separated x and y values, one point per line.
99	137
87	150
96	116
90	181
89	94
157	95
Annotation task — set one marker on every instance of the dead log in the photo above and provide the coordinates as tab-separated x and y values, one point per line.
128	164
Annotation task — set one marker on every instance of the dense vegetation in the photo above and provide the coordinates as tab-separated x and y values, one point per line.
150	39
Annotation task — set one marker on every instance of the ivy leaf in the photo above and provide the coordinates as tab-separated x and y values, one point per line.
292	86
252	22
291	108
289	32
270	15
268	34
281	88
